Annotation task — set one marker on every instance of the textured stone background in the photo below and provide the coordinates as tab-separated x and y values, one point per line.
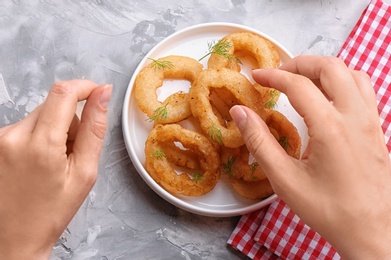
48	40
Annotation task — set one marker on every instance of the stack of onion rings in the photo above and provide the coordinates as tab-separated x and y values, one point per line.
189	162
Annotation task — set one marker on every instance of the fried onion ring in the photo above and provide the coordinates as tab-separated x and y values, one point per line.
285	133
270	96
238	163
176	107
203	175
263	51
243	92
180	157
252	190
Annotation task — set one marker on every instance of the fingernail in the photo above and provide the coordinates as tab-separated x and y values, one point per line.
239	116
105	95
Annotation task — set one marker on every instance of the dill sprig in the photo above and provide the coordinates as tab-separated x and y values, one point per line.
159	154
221	47
253	167
284	142
272	102
160	112
227	167
215	134
161	64
196	177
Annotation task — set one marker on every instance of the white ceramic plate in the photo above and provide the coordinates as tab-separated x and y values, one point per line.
222	201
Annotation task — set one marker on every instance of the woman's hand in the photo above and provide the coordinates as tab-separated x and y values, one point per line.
48	165
341	187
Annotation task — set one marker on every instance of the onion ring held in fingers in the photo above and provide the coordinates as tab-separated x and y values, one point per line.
242	92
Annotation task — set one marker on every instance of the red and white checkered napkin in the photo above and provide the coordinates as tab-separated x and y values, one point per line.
275	232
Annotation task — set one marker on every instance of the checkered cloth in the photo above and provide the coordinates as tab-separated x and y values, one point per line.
275	232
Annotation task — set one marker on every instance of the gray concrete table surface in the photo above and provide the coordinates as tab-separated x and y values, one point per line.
49	40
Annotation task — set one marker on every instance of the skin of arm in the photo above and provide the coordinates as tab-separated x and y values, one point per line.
341	186
48	165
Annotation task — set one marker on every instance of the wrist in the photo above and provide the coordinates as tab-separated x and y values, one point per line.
369	240
20	250
367	251
17	255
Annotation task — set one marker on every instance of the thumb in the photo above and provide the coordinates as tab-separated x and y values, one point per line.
272	158
89	139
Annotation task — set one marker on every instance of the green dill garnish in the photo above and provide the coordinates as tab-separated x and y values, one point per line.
272	102
215	134
160	112
227	167
161	64
284	142
196	177
221	47
159	154
253	167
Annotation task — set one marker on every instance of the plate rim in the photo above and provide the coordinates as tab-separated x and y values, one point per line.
135	160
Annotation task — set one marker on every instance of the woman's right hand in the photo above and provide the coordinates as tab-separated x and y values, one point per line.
341	187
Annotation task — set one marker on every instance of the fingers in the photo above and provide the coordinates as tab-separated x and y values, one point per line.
335	77
365	87
89	140
73	129
301	92
59	108
311	82
72	133
275	162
